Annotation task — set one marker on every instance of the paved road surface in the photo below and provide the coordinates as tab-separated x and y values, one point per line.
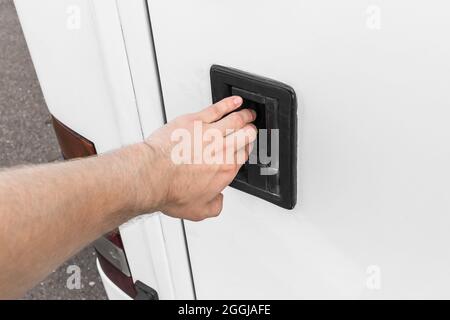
26	136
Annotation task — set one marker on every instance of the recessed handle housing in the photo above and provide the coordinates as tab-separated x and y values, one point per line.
276	107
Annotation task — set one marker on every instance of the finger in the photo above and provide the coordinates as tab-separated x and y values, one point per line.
235	121
218	110
250	147
215	206
247	150
241	138
241	156
237	148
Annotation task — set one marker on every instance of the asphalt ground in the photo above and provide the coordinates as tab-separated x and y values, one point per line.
27	137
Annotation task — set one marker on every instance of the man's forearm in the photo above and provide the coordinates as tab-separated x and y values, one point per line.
56	210
50	212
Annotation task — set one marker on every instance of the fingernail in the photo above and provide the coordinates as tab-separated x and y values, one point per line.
237	101
254	113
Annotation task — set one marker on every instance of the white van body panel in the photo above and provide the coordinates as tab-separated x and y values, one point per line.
372	80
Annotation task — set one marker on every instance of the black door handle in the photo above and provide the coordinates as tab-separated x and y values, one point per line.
272	176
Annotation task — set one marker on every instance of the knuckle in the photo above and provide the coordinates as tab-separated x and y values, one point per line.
248	115
216	111
238	120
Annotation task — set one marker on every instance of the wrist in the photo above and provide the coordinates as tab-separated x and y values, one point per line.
148	182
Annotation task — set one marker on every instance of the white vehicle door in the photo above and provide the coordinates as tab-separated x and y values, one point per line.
372	80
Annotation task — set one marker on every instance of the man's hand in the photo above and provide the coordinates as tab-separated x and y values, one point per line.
50	212
193	190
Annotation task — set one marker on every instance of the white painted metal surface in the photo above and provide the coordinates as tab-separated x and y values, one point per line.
155	245
68	58
372	80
